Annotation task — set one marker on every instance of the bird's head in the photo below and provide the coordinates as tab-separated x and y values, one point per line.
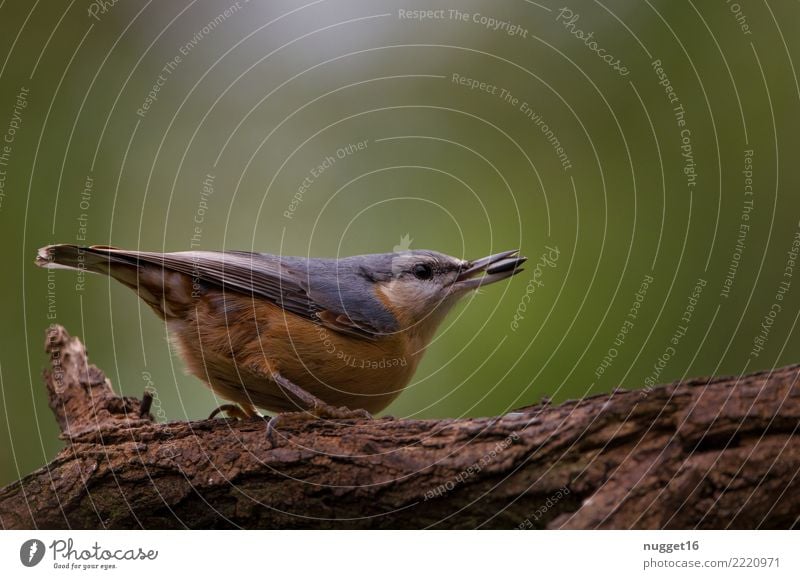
420	286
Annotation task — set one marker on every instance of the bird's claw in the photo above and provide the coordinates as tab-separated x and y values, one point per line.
326	411
231	410
318	412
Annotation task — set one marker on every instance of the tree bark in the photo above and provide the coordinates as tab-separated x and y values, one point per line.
705	453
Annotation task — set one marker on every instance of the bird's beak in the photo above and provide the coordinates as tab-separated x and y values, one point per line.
489	270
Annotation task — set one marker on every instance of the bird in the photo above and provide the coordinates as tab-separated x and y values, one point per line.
333	338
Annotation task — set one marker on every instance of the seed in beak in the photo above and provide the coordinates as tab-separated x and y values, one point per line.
480	265
495	267
506	265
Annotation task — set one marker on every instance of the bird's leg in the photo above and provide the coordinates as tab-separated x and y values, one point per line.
240	411
314	407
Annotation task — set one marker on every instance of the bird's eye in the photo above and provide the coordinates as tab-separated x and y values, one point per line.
422	271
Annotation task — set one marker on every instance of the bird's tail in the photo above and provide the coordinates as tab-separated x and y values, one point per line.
97	258
167	292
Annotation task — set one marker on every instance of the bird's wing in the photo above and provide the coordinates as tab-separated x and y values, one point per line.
314	289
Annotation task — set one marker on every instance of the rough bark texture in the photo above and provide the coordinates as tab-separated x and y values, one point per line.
719	452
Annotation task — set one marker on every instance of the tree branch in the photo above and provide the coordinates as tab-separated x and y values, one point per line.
716	453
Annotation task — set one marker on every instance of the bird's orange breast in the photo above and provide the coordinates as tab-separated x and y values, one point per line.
235	342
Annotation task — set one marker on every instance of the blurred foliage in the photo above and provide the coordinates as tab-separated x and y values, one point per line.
264	92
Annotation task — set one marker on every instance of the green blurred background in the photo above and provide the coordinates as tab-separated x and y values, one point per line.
265	91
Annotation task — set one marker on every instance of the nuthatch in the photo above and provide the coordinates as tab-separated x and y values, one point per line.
335	337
